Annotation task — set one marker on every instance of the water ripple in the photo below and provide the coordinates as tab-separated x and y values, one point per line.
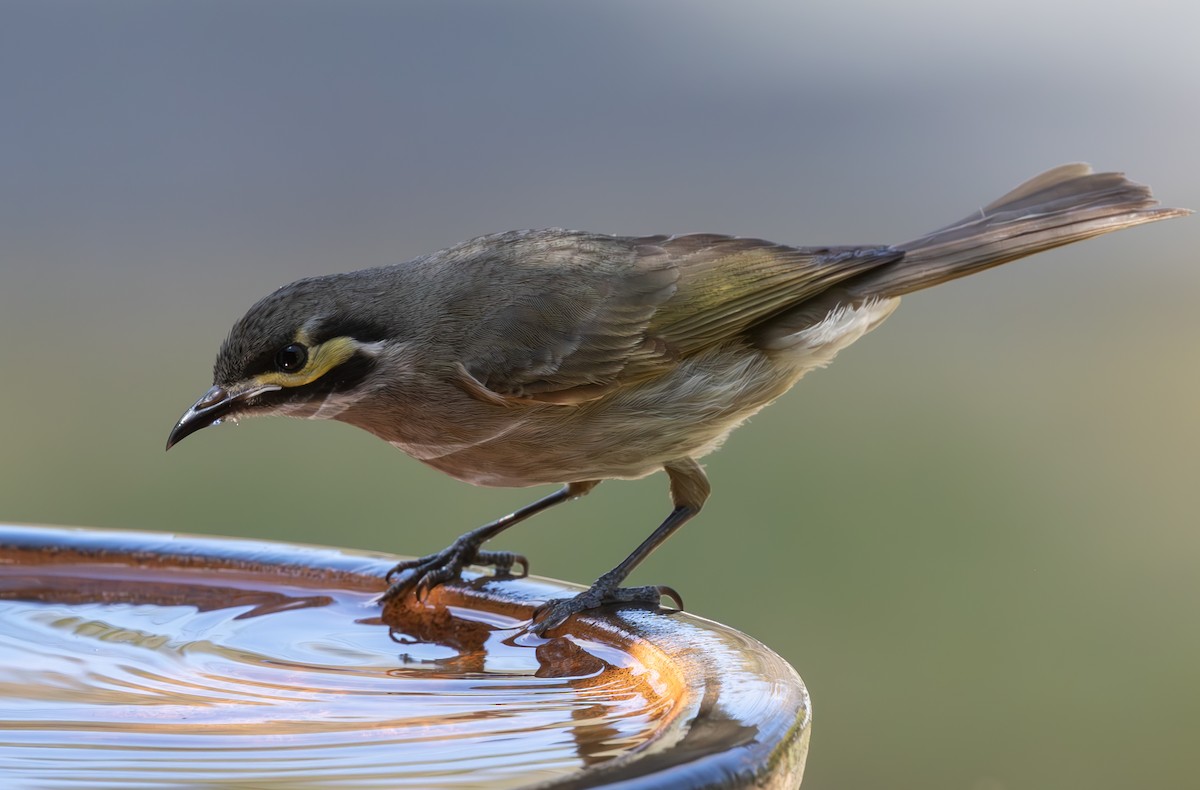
212	681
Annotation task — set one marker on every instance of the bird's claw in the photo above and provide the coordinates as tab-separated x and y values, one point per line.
502	562
670	592
555	612
419	576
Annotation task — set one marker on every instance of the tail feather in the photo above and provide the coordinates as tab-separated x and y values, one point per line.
1061	206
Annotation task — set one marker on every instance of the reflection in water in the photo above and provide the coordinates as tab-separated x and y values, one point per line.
128	676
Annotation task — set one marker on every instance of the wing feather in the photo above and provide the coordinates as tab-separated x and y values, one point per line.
589	313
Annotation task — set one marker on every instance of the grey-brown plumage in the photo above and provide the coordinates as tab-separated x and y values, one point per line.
557	356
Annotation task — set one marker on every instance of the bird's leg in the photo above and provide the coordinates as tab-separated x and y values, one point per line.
427	572
689	490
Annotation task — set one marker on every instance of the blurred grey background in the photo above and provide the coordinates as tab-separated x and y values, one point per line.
975	535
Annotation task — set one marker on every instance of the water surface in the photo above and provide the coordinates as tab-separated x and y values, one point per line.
114	675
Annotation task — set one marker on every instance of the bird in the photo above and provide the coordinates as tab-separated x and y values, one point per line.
564	357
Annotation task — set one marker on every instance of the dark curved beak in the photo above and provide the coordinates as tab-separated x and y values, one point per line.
214	406
209	410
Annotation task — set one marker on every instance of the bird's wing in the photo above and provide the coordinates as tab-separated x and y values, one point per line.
728	285
616	310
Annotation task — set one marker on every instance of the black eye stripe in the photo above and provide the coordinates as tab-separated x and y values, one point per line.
344	377
291	358
349	326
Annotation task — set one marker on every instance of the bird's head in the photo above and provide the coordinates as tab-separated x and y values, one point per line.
307	350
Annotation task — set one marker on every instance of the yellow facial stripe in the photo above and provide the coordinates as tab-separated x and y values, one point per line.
321	360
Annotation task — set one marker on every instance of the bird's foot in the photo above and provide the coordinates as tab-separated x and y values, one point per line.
421	575
554	613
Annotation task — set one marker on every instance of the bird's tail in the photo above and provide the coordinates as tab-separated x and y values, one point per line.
1061	206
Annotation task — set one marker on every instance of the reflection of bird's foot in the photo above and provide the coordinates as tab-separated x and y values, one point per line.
421	575
555	612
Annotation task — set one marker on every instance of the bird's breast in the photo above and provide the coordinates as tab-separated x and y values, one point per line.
630	433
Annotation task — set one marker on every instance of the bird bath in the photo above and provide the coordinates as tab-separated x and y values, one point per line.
139	658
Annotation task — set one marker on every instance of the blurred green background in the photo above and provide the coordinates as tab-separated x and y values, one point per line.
975	535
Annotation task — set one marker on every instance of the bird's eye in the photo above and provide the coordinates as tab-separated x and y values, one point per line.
291	358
